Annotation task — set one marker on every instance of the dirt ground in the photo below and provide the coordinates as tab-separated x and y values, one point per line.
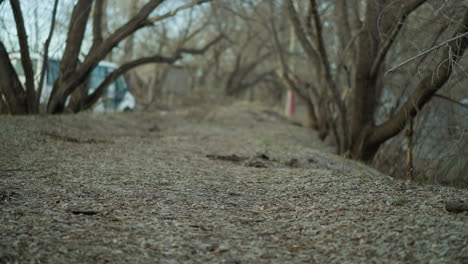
237	184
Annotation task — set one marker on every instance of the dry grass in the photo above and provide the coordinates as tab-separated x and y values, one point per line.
155	188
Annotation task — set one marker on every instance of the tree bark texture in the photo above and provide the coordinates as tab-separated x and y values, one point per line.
69	62
25	57
10	85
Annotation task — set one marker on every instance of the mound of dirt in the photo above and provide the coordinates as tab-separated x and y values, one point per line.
233	184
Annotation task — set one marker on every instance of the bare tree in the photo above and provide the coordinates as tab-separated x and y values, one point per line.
73	73
351	112
246	62
94	97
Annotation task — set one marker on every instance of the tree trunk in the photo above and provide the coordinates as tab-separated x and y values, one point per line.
70	76
25	57
19	100
364	97
10	86
79	96
373	137
69	62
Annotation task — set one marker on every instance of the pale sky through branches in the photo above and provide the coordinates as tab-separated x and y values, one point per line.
37	16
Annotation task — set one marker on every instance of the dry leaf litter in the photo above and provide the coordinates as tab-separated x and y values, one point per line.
236	184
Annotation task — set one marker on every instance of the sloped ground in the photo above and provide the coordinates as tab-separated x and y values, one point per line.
232	184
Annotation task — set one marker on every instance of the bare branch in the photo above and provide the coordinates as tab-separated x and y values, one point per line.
175	11
426	52
259	78
451	100
25	56
138	21
72	78
277	45
321	43
45	60
355	16
406	11
129	43
94	97
195	32
10	86
304	91
234	83
410	6
300	87
199	51
427	87
346	52
342	16
97	22
306	44
76	32
309	22
331	85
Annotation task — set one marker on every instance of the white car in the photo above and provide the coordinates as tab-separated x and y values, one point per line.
117	98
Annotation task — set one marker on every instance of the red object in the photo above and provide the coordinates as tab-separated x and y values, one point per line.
290	104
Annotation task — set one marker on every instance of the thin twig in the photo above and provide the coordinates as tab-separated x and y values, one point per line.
45	60
451	100
175	11
425	52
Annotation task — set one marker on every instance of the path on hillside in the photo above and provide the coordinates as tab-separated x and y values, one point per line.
235	184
